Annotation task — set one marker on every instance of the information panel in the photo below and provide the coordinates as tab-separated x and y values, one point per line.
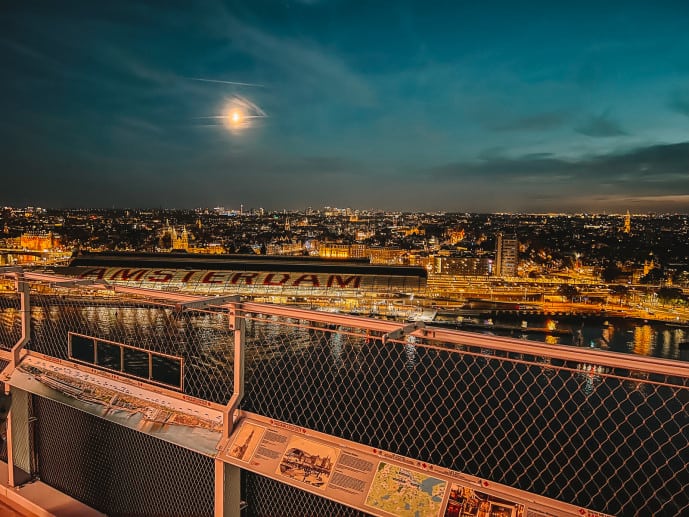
158	412
375	481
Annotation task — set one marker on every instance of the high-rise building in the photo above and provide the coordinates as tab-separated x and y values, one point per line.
627	223
506	255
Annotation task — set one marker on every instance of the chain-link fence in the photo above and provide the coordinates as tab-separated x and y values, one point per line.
10	320
598	437
201	338
266	497
586	432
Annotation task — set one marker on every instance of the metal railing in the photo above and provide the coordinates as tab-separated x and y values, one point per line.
593	429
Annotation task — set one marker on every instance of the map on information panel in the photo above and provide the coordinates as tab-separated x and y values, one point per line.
405	492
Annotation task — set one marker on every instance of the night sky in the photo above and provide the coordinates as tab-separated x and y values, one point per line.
409	105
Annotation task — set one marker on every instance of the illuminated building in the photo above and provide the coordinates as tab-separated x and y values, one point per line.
213	248
358	251
408	232
474	266
334	250
648	266
455	236
376	255
39	241
387	255
506	255
627	223
288	248
346	285
180	242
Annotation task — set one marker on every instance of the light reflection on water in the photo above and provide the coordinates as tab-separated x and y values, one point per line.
647	338
410	353
336	349
153	324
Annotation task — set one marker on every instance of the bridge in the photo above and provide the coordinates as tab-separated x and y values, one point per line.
46	257
127	401
19	251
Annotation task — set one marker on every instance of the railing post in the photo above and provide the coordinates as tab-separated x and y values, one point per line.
18	425
23	288
227	477
228	501
238	326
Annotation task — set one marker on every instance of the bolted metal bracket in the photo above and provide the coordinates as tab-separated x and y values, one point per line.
399	333
209	302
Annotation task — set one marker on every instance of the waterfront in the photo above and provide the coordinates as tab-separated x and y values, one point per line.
623	335
618	334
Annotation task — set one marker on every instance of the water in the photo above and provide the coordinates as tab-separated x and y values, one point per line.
638	337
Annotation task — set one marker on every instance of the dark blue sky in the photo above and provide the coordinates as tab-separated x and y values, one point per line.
410	105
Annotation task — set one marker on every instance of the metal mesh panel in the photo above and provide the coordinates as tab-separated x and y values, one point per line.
202	338
268	498
10	320
3	427
605	439
117	470
22	430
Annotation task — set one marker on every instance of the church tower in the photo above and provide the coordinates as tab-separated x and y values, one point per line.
627	223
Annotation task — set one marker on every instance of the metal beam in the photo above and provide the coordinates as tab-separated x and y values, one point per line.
565	353
331	318
82	282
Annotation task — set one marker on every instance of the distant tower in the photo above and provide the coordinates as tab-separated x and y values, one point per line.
627	223
288	228
506	255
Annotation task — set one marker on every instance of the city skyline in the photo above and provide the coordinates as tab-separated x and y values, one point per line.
459	108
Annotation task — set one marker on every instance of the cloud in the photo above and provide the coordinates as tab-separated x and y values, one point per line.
649	178
29	52
679	102
304	62
652	170
600	126
539	122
